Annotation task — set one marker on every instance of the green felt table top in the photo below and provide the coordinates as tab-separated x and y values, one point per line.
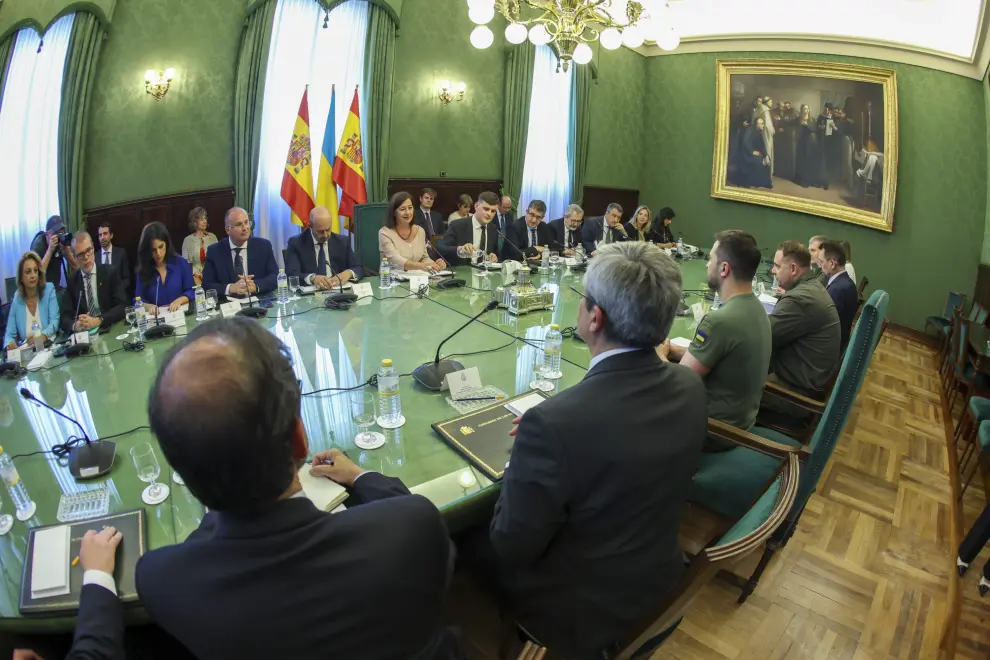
107	392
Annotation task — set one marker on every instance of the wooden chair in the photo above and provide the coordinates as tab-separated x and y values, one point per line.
743	536
725	481
813	407
943	324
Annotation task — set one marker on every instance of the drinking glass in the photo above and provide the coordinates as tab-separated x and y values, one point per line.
211	302
6	522
131	317
554	260
148	470
294	287
363	414
540	383
463	253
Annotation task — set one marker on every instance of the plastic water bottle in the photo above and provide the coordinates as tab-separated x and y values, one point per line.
23	503
35	334
142	318
545	259
385	275
579	253
200	297
389	402
282	289
553	343
680	246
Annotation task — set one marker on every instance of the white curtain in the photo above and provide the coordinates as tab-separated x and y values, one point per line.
304	53
547	170
29	139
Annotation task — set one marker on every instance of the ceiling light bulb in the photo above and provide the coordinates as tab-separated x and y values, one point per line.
482	37
480	3
169	73
461	87
481	14
538	35
444	84
611	39
632	37
669	39
582	54
515	33
149	76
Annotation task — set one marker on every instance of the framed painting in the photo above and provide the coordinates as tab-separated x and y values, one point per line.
813	137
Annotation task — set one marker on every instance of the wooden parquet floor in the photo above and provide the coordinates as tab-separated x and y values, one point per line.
868	575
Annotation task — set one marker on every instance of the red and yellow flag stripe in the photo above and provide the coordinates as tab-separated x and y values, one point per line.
348	166
297	180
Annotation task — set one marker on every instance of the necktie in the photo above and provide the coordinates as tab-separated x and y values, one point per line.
106	258
429	222
321	262
238	262
608	234
567	238
532	237
483	243
92	301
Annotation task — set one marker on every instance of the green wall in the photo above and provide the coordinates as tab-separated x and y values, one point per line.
139	147
618	99
941	188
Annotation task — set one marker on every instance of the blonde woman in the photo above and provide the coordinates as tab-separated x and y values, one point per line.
639	227
195	244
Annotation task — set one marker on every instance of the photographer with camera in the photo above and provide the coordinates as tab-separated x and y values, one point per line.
53	244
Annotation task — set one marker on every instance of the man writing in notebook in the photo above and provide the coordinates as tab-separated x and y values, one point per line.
301	582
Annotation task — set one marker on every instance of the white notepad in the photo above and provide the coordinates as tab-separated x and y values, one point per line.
50	562
521	405
325	494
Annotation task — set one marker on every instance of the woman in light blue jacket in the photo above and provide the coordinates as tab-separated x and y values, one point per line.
34	310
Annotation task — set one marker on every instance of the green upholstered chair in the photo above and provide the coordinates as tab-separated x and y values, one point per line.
942	323
757	524
726	482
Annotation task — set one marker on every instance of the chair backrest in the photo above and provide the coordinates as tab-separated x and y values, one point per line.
978	313
955	300
749	533
859	353
10	288
958	336
863	283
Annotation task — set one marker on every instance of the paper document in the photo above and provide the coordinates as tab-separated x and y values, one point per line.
50	563
325	494
680	342
520	406
39	360
363	290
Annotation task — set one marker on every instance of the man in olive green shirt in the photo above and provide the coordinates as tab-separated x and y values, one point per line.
731	347
805	325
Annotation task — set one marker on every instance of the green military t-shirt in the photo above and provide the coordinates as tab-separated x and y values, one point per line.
734	343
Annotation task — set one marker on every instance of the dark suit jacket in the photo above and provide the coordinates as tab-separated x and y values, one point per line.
434	226
460	232
99	631
846	298
518	233
507	221
118	261
218	271
109	292
586	524
300	256
592	232
295	582
557	235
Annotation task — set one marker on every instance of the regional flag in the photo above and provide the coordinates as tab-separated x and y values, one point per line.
326	189
297	180
348	168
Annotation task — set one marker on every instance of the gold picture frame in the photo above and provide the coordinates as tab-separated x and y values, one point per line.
827	167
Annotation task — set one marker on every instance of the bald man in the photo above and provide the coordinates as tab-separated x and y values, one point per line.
320	258
240	265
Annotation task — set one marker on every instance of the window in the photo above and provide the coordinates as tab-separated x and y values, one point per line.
29	139
547	171
302	53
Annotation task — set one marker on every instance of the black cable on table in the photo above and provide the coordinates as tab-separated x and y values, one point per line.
61	450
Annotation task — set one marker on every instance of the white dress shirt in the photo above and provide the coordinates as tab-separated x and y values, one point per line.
607	354
93	287
477	232
832	278
106	256
316	253
233	260
101	578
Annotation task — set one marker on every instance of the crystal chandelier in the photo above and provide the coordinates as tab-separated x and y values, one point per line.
570	25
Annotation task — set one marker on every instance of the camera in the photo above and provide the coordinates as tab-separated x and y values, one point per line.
64	240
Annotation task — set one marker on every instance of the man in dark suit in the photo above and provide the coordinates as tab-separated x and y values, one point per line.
267	574
99	633
95	290
320	258
586	536
832	259
115	257
473	233
603	230
431	221
530	234
240	265
565	233
504	217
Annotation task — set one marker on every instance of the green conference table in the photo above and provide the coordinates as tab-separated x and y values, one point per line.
107	392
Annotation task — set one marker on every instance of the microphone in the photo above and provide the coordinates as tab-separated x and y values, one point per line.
433	375
92	459
533	268
160	329
71	350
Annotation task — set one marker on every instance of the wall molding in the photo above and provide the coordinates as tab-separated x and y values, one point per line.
39	16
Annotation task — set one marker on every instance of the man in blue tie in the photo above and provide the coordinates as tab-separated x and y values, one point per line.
320	258
240	265
527	236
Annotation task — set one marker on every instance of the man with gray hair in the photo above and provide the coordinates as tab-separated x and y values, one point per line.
565	233
585	528
604	229
95	296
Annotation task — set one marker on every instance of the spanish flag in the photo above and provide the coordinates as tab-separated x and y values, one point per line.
297	180
326	189
348	168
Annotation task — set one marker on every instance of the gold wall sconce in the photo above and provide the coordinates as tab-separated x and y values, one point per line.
448	93
156	82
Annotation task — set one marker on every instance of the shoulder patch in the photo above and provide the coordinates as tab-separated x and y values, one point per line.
700	337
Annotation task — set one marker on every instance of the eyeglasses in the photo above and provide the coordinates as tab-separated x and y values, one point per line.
85	253
588	298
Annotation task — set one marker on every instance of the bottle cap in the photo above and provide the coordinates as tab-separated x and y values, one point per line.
554	326
387	362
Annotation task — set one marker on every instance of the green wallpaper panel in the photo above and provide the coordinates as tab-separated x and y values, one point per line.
616	158
941	188
139	147
464	139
